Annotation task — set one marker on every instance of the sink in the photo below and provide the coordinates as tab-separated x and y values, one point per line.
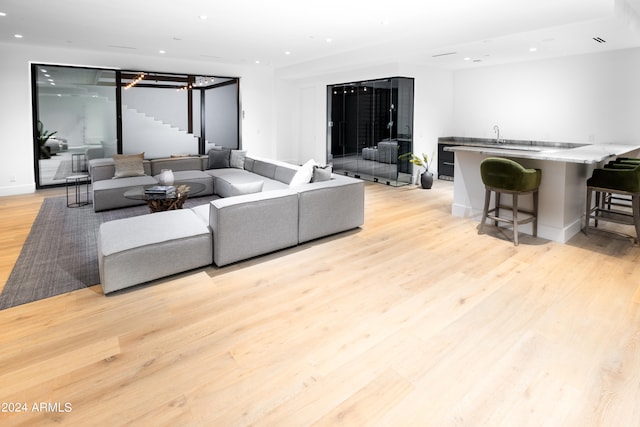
544	147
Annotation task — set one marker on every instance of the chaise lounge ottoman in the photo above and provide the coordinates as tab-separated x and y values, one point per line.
138	249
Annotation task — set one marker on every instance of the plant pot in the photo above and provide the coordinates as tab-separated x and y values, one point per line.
45	152
426	180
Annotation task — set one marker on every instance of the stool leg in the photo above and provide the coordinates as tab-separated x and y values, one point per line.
635	200
595	216
498	194
587	219
515	219
535	213
485	210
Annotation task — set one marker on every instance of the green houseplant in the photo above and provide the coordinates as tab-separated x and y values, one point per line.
43	137
426	177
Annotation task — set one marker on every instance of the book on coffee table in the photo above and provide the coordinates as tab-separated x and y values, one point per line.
160	189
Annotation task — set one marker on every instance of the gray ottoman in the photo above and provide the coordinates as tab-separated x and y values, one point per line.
147	247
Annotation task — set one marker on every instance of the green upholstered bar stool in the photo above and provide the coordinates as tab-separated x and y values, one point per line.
607	183
620	201
507	176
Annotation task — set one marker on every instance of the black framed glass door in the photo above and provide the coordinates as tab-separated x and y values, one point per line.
84	113
369	126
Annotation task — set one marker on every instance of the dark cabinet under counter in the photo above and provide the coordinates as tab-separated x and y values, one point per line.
445	161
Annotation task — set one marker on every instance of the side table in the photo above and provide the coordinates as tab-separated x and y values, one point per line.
77	181
78	162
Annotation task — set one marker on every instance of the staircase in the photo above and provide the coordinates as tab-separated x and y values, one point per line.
142	133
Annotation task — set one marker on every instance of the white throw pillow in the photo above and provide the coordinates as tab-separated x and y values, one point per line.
304	174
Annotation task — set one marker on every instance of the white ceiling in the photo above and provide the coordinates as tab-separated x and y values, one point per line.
440	33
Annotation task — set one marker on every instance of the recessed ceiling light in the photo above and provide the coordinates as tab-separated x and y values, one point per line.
52	84
162	52
467	58
18	36
328	39
203	17
533	49
257	61
287	52
47	75
3	14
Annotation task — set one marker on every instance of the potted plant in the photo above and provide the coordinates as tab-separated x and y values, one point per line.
43	137
426	177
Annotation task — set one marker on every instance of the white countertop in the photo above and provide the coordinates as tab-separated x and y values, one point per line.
589	154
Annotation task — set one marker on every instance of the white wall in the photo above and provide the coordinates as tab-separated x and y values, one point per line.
588	98
16	144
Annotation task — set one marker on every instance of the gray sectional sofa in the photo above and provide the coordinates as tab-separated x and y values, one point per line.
108	193
258	212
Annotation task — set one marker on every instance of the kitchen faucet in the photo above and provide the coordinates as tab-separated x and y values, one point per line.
496	129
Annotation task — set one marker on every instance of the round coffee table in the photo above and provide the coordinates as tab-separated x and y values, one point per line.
159	202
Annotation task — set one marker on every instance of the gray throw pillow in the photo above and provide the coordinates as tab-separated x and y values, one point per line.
246	188
236	160
321	173
219	159
128	165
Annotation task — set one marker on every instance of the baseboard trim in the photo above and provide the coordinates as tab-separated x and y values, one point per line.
17	189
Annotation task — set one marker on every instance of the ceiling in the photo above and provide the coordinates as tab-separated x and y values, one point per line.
300	38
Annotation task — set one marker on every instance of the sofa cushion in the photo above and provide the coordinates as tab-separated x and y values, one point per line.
248	164
321	173
194	176
229	186
128	165
236	159
253	224
222	178
142	248
285	174
175	164
219	159
246	188
264	168
109	193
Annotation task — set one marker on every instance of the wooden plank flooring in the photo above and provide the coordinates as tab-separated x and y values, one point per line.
413	319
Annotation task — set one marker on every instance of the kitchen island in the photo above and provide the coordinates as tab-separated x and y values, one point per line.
565	169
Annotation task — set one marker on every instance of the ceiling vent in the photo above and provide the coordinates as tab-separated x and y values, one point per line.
599	40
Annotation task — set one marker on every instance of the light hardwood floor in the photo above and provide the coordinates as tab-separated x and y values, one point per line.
412	320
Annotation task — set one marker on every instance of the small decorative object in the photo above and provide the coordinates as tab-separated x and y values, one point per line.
166	177
426	177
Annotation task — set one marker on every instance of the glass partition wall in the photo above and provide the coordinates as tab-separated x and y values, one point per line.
84	113
370	126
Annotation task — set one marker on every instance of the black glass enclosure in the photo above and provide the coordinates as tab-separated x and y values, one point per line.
370	126
84	113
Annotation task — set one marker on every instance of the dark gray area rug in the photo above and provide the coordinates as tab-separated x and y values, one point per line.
60	253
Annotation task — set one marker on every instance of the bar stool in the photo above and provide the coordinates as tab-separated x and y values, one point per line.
501	175
609	199
609	184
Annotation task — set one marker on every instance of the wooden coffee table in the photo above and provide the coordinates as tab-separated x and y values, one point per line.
165	202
